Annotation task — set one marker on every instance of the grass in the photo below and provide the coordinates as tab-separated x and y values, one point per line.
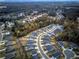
2	54
2	47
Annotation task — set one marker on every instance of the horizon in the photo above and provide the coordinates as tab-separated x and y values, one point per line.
39	0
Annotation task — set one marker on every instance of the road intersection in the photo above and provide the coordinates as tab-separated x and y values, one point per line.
37	42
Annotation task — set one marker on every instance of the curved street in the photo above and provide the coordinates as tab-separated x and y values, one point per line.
42	32
39	43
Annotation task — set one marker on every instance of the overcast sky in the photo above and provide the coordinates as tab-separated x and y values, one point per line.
32	0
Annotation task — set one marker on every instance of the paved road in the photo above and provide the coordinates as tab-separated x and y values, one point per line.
43	32
40	45
36	38
41	49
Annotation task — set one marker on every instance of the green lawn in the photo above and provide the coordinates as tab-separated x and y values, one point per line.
2	54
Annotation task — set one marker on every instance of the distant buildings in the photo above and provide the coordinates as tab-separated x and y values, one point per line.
2	50
9	24
30	18
3	29
2	25
1	7
59	15
34	13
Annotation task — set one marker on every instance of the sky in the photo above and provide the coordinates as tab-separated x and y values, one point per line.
33	0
